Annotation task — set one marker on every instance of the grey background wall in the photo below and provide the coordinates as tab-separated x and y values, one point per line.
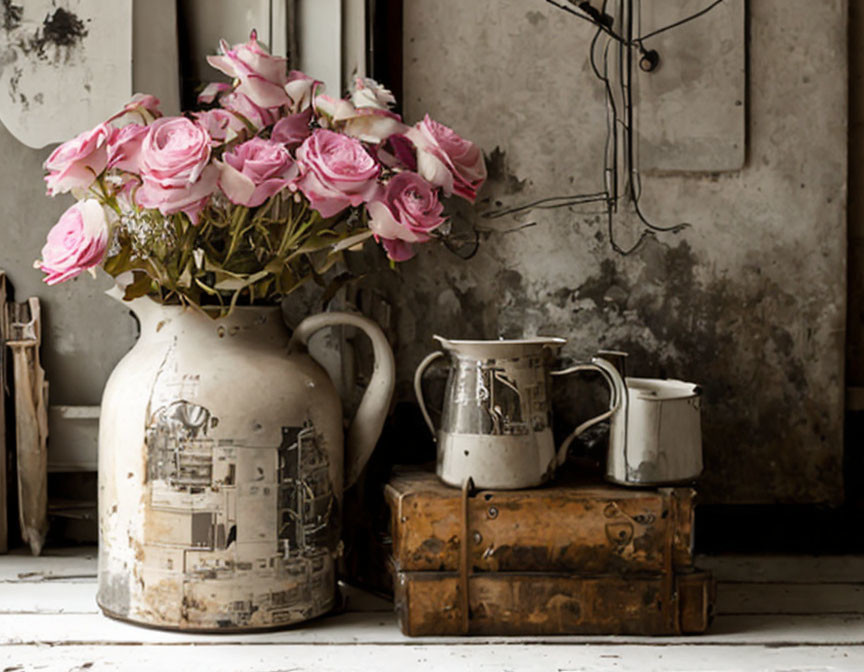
750	301
85	333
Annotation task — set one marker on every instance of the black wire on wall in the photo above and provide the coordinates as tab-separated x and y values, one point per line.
620	135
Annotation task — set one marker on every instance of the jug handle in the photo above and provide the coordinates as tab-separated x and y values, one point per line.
418	389
617	395
365	428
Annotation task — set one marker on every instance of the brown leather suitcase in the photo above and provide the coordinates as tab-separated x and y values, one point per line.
589	528
570	558
546	603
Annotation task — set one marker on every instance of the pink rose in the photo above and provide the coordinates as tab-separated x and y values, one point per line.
398	152
335	172
254	171
397	250
242	105
332	109
78	162
293	129
301	89
447	160
76	242
175	168
407	210
213	90
262	76
221	125
374	125
143	107
369	124
124	148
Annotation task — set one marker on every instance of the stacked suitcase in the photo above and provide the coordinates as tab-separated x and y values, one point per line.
569	558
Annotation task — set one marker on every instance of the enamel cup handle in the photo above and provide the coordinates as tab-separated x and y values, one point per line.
418	389
616	395
365	428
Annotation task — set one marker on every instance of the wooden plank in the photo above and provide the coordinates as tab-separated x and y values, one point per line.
53	564
24	324
53	597
4	492
605	658
785	568
375	629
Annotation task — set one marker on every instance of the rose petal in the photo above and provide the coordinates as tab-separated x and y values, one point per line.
235	185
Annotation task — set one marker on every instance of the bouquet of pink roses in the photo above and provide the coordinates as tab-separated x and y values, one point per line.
255	195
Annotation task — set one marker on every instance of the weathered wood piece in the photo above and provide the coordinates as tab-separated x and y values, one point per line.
375	657
4	492
370	628
31	420
567	527
529	603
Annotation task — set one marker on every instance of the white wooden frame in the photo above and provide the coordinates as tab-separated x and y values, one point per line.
330	38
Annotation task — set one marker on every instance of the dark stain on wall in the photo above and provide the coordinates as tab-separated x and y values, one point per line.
732	336
59	30
11	15
502	179
52	41
62	29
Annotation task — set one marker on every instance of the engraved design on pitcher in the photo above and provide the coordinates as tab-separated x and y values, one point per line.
496	398
504	404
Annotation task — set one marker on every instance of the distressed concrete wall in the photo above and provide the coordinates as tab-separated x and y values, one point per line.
749	302
85	332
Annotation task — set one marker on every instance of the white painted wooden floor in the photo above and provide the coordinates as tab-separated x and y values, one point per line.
780	614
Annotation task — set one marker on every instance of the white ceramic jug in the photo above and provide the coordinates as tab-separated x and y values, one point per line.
655	433
221	469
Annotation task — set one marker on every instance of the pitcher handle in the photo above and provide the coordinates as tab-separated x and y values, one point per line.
365	428
418	389
617	396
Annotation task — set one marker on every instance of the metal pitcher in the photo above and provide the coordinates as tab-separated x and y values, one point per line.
496	424
655	434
